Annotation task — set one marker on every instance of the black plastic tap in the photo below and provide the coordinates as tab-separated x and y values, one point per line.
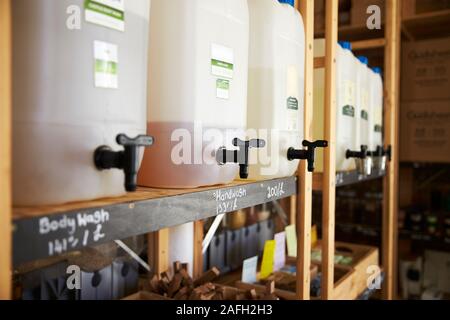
358	154
127	160
388	152
308	154
379	152
240	156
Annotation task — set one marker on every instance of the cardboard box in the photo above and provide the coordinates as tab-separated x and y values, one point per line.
426	70
413	7
425	131
359	14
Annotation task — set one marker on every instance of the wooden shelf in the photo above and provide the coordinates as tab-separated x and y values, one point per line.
355	33
84	224
427	25
346	178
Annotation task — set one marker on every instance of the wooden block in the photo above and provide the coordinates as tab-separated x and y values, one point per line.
208	296
175	284
253	295
229	293
154	284
163	286
218	296
270	287
165	277
207	277
183	293
176	266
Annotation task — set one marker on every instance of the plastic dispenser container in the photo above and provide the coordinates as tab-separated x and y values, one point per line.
79	93
376	121
361	155
346	104
197	108
276	88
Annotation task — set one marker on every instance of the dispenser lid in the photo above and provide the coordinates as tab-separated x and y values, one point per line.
377	70
346	45
291	2
364	60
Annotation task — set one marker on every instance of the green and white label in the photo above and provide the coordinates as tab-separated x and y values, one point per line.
223	88
348	111
378	128
106	56
222	61
364	115
106	13
292	101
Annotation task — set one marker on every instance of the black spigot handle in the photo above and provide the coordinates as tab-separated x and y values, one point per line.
309	154
240	156
311	148
250	144
357	154
126	160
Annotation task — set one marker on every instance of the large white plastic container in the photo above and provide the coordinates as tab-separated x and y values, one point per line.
376	119
75	88
346	72
363	109
197	90
276	86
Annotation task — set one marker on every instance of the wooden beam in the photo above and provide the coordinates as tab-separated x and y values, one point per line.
158	251
5	150
198	247
329	175
369	44
304	204
392	85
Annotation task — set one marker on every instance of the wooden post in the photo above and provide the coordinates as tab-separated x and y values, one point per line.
5	150
198	247
304	199
329	175
392	85
158	250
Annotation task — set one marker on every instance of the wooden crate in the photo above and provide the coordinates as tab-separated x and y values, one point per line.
351	287
344	289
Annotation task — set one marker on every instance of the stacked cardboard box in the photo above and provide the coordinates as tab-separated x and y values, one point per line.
425	106
413	7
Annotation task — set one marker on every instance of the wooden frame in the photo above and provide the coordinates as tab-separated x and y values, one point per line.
5	150
329	174
304	203
392	88
391	44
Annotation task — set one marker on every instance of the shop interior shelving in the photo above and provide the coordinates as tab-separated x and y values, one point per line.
153	211
388	38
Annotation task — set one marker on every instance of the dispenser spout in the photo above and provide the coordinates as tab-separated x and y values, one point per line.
357	154
308	154
127	160
240	156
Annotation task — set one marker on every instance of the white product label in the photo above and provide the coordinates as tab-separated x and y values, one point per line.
223	88
106	13
349	93
106	56
222	61
292	101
